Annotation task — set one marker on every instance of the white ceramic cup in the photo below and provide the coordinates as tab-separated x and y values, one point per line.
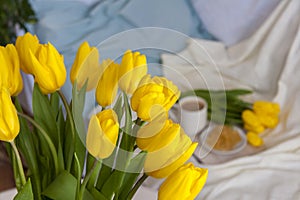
192	114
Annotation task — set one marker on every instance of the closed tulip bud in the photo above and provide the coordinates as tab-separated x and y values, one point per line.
86	67
102	134
183	184
132	69
9	122
107	86
49	69
152	93
266	108
10	77
254	139
162	162
24	45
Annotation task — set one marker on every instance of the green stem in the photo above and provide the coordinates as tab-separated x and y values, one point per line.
78	196
47	138
19	163
71	120
137	186
92	180
97	165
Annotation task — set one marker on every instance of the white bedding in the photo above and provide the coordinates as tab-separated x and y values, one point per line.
269	64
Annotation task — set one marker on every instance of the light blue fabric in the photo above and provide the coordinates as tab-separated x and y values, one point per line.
66	24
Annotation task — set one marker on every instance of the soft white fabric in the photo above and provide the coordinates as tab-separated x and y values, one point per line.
233	20
268	63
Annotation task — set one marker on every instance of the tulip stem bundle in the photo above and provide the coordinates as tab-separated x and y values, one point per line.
224	106
46	137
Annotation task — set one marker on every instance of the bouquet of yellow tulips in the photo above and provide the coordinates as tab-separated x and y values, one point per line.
226	107
130	139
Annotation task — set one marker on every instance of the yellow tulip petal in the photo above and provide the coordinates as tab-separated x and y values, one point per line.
167	170
184	183
107	85
254	139
9	122
102	134
90	70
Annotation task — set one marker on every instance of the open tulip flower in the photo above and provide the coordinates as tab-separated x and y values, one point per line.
47	62
152	92
130	139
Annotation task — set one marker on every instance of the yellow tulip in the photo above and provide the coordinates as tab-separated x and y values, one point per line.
102	134
268	121
162	162
86	67
48	68
24	45
266	108
255	129
252	122
9	122
107	86
254	139
10	77
132	69
152	93
157	134
183	184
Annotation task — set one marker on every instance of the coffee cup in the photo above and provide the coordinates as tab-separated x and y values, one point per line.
192	114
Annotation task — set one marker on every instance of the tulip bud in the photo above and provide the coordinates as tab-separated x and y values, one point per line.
266	108
152	93
252	122
132	69
102	134
86	67
107	86
9	122
183	184
10	77
24	45
268	121
48	68
254	139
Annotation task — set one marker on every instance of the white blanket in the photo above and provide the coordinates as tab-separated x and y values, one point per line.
269	64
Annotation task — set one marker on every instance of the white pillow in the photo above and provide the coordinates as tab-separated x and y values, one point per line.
233	20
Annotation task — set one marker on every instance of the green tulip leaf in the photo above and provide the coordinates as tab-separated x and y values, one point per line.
44	114
78	102
136	165
25	193
62	188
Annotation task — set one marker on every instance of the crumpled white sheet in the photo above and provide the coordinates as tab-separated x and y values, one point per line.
269	64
